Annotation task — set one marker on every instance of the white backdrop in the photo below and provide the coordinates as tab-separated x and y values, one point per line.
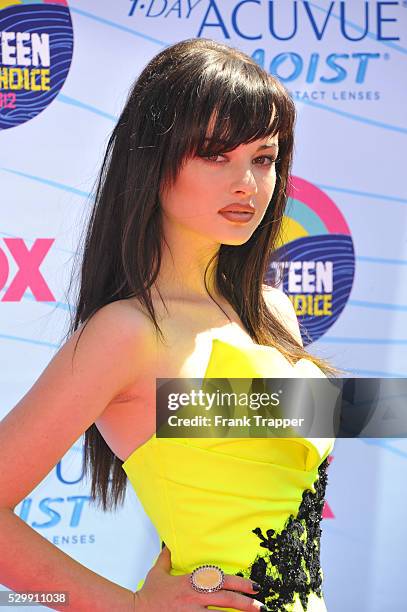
349	210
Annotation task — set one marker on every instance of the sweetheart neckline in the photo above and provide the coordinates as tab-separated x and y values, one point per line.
234	346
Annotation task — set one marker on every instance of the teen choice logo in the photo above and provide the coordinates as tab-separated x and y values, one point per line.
36	44
317	258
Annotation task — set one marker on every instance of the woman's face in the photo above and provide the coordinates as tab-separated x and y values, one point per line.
204	186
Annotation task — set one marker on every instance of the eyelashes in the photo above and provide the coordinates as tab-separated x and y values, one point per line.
272	160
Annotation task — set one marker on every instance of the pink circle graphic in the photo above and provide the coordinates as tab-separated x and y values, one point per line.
316	258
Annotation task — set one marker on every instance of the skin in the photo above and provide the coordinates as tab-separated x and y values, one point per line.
192	226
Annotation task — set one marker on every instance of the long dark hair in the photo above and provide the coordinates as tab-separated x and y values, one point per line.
163	123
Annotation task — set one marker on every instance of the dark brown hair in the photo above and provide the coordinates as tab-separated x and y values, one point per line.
164	122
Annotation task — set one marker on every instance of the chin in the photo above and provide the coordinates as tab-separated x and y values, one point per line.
236	240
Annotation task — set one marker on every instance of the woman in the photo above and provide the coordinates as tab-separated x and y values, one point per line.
187	214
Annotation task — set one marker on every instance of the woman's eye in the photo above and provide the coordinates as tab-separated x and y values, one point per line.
210	156
270	159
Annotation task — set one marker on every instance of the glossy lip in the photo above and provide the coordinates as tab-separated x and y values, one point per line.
237	217
237	207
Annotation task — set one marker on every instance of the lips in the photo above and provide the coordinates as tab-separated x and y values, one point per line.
238	208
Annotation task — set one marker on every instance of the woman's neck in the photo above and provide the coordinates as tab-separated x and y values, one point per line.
182	272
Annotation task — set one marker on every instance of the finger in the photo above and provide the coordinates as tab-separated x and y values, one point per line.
232	599
238	583
164	559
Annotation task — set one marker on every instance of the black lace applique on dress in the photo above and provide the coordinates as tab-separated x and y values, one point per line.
292	564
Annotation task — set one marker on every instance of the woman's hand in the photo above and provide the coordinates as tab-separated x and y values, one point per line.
162	591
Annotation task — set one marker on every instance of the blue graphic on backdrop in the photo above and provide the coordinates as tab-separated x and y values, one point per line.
35	57
317	257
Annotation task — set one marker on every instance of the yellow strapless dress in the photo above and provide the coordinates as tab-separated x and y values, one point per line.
252	506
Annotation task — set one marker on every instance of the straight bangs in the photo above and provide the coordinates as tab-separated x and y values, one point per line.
229	103
252	109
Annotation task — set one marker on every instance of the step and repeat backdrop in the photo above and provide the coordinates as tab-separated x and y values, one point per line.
65	70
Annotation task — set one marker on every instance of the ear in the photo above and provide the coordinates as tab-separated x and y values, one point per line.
281	306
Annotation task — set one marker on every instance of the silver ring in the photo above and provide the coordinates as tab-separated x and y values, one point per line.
207	578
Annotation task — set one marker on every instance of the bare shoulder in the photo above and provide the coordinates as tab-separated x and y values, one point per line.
117	331
98	362
122	321
281	306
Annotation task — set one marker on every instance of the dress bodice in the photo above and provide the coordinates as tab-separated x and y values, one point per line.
250	505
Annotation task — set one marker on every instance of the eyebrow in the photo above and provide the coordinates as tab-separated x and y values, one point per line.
267	146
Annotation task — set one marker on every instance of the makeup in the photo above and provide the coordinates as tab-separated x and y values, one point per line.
237	217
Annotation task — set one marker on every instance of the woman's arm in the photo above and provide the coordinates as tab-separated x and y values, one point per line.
65	400
29	562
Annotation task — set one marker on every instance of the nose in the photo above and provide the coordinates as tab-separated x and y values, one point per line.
244	182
